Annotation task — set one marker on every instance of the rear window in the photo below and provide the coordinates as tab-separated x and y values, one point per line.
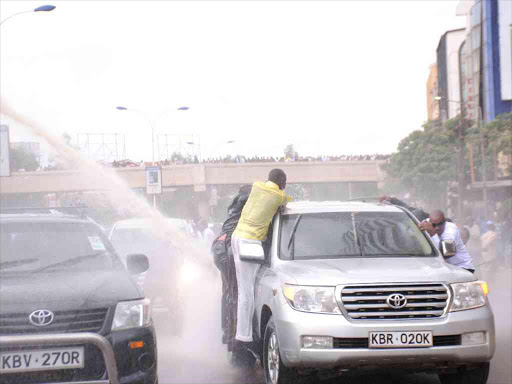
142	240
351	234
38	247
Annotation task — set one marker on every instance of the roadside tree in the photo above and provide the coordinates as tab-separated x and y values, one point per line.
425	163
21	159
290	153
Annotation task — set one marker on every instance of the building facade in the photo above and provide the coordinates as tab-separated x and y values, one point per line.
448	73
486	62
432	92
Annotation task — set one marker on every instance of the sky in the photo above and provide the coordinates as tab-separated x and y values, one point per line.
331	78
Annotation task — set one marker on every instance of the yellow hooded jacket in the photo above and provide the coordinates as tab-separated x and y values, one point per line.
262	205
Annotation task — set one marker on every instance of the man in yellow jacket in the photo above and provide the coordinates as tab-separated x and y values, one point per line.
263	203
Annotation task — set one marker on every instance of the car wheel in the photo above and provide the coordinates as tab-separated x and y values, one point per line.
242	359
275	371
467	376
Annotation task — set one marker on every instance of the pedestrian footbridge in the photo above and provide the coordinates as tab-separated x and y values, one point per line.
200	176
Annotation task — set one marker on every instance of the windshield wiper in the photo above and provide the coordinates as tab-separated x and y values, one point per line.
292	235
356	237
15	263
71	261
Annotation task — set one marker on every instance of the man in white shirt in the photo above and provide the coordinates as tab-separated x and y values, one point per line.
205	233
440	230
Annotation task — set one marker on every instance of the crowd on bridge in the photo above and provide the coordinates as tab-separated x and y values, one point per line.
254	159
181	160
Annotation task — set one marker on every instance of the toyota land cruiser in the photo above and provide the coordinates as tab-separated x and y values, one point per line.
354	285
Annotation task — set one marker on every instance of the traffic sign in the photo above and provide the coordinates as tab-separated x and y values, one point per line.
153	180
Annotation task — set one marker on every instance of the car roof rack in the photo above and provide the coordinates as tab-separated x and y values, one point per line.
368	199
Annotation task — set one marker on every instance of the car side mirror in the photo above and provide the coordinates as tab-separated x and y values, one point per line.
251	252
448	248
137	263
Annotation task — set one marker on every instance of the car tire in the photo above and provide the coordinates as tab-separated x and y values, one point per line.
467	376
242	359
274	369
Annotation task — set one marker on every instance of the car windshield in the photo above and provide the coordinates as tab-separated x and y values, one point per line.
36	247
351	234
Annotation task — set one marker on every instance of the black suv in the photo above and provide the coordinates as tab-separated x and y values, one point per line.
59	274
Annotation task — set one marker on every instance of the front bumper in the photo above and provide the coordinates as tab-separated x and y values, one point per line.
292	325
108	360
135	365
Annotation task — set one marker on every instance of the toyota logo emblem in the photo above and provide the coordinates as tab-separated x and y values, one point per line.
396	300
41	317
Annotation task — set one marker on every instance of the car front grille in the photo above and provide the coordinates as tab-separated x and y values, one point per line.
86	320
369	302
362	342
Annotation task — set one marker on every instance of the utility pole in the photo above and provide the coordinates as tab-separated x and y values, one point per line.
460	166
484	170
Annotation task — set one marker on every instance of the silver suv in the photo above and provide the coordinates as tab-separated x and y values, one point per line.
352	285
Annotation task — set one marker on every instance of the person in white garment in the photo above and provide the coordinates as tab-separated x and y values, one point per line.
489	243
205	233
440	230
264	201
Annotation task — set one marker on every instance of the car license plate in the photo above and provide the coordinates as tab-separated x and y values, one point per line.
25	361
400	339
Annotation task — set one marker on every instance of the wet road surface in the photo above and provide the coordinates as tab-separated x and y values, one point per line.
198	356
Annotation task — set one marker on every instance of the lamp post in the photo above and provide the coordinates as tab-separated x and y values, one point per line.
43	8
231	142
152	125
194	150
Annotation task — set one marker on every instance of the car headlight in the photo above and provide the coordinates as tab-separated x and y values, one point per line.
189	273
131	314
311	299
469	295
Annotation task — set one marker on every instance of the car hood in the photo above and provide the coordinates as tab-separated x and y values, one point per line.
65	291
333	272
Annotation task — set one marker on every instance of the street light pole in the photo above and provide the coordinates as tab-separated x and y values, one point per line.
460	164
44	8
231	142
484	170
152	125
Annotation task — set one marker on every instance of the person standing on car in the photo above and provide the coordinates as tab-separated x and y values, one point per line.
257	214
223	260
440	230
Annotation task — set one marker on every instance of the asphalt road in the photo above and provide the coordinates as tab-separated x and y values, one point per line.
197	356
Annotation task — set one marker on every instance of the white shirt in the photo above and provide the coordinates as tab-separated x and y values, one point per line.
207	236
462	257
